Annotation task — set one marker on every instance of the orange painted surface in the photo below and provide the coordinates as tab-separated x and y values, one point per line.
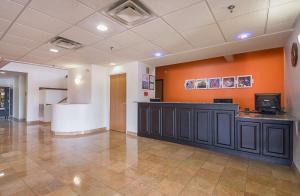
266	67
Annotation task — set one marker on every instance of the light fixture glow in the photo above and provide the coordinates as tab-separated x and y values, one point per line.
244	35
77	180
53	50
299	38
112	64
158	54
2	72
2	174
77	80
102	27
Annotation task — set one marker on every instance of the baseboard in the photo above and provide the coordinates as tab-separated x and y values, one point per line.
80	133
37	122
296	171
131	133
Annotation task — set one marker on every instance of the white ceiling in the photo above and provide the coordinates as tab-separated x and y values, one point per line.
183	30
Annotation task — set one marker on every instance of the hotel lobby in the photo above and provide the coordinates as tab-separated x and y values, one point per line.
149	97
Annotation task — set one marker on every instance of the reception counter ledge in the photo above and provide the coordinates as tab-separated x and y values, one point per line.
72	119
218	127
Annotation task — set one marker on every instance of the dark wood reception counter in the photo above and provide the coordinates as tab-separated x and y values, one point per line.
219	127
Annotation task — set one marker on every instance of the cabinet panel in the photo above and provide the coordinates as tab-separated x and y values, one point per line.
248	136
168	122
276	140
184	123
143	122
224	129
202	124
155	120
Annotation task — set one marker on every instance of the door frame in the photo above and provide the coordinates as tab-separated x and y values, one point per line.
110	77
162	88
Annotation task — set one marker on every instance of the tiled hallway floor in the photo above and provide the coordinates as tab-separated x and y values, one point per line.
33	162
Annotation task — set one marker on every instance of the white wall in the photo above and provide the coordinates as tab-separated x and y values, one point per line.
79	92
292	90
37	76
134	91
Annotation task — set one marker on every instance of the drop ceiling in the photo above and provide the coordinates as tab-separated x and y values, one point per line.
182	30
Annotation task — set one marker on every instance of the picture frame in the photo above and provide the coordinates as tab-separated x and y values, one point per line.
151	86
214	83
189	84
229	82
151	78
145	81
244	81
201	83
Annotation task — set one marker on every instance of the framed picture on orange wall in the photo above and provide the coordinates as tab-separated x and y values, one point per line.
214	83
244	81
229	82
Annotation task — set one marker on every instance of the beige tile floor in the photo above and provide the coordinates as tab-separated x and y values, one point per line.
33	162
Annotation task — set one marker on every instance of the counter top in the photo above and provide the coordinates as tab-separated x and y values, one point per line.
279	117
206	103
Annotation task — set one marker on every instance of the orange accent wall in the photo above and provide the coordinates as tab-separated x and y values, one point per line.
266	67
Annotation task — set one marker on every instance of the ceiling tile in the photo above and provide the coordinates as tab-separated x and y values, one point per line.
221	12
253	23
29	33
9	10
12	50
172	43
280	2
190	17
204	36
33	59
20	41
91	55
4	24
98	4
163	7
70	11
42	21
107	45
127	38
68	61
21	2
283	17
80	35
90	24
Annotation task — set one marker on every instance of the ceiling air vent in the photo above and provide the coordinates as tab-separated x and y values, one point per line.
129	12
65	43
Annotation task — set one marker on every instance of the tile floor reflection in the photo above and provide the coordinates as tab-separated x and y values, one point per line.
33	162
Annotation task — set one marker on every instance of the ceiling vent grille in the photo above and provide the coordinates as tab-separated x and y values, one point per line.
129	12
65	43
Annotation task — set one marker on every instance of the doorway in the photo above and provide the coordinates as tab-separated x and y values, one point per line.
118	102
159	89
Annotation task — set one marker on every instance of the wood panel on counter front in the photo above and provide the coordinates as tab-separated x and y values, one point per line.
216	127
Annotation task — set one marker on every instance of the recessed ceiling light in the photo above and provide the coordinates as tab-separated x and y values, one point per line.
244	35
2	72
53	50
112	64
102	27
158	54
299	38
2	174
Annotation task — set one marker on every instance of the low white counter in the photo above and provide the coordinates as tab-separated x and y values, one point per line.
72	119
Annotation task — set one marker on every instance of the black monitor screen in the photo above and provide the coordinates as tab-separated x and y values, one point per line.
268	103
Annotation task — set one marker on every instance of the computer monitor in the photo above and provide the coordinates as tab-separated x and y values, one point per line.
226	100
268	103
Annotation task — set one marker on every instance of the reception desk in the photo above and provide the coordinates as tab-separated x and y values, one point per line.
218	127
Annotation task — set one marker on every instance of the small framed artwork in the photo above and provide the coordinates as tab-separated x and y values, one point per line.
201	84
228	82
244	81
151	78
151	86
189	84
145	81
214	83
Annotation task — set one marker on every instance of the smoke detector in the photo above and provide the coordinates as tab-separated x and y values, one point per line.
129	12
65	43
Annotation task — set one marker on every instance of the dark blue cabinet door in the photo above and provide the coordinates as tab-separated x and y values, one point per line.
202	126
224	129
184	123
155	120
143	122
248	136
168	122
276	140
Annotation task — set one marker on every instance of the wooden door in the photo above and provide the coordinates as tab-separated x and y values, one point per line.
118	102
159	89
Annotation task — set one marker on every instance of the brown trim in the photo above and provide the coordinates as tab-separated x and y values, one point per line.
37	122
47	88
80	133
